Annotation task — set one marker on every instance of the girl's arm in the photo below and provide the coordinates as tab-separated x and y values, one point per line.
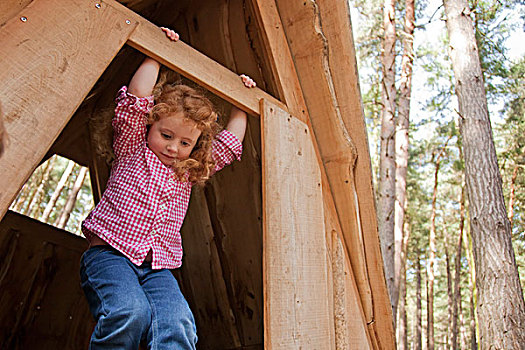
145	78
237	122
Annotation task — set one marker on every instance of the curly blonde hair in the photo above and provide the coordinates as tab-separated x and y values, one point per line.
195	106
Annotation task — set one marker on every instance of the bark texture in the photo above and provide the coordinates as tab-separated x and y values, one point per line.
450	293
401	146
512	195
402	334
500	304
456	304
418	342
387	164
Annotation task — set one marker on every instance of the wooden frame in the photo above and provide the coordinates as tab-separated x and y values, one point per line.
344	192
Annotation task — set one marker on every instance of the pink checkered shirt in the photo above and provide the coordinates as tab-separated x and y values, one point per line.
143	206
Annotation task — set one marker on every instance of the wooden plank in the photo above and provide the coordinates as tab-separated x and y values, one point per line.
319	36
184	59
338	31
50	62
281	62
350	330
271	29
296	309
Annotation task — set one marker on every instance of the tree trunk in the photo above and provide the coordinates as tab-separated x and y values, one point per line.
432	252
512	195
472	285
462	329
449	294
72	198
456	304
387	165
401	146
418	342
37	193
32	189
473	339
60	186
21	198
402	341
39	197
425	330
501	308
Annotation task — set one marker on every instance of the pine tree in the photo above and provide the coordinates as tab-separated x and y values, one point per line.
501	308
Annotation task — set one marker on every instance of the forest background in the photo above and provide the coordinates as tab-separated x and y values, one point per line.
434	257
436	283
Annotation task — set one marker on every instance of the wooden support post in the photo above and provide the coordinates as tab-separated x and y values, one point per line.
52	55
296	307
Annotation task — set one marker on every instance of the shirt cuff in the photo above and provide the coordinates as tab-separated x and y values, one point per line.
140	104
231	141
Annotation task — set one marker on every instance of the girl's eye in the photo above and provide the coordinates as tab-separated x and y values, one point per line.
185	143
166	136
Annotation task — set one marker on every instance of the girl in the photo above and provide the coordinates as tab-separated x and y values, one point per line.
161	151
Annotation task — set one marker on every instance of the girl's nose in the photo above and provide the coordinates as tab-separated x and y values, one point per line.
172	148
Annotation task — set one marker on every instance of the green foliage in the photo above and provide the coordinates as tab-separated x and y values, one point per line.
494	21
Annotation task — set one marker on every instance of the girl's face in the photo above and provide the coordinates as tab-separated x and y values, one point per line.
172	138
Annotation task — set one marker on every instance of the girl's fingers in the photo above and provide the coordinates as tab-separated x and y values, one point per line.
170	33
247	81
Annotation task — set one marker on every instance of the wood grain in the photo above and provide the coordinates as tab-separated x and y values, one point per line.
297	310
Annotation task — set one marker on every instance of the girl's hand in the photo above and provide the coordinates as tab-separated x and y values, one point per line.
170	33
248	82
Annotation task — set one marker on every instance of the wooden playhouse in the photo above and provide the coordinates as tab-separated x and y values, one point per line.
281	249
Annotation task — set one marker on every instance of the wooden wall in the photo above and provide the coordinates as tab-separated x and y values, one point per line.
41	303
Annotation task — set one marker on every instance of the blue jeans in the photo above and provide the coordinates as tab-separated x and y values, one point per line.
134	303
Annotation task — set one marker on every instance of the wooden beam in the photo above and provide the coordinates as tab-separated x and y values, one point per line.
320	39
52	55
296	308
354	314
11	8
184	59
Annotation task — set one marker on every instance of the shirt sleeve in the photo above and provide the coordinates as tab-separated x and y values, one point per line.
129	122
226	148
